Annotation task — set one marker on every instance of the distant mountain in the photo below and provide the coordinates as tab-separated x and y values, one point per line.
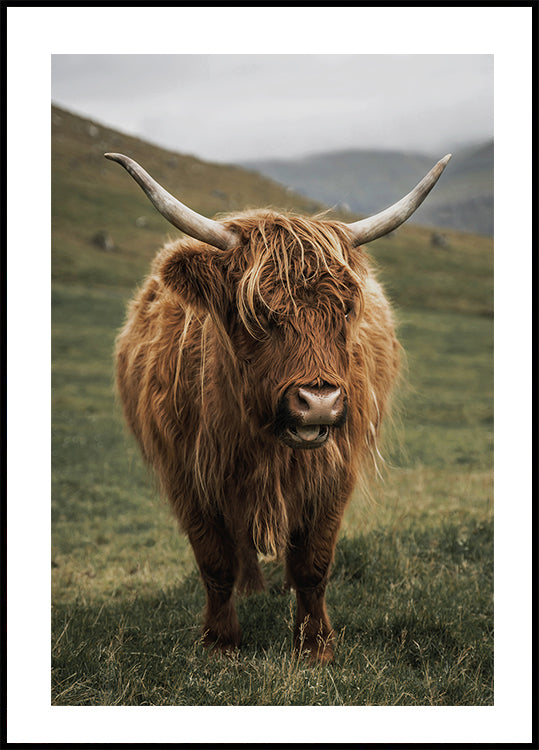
365	182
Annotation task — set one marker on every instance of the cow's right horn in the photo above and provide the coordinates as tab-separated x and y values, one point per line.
182	217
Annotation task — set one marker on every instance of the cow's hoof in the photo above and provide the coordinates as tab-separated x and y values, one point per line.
220	651
315	654
318	650
221	645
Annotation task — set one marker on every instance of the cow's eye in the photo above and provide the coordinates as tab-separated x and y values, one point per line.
348	311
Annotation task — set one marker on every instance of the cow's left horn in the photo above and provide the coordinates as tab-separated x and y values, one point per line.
193	224
367	230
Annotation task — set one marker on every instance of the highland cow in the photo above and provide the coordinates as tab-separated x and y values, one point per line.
255	368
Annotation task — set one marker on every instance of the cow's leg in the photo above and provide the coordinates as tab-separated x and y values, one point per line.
308	561
216	557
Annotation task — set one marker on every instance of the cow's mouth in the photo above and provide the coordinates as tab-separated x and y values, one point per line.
306	436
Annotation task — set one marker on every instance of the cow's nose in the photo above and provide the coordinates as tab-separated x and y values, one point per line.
316	406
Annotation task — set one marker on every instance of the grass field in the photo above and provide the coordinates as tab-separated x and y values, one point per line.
411	594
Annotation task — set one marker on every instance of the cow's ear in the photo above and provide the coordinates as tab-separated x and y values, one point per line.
196	273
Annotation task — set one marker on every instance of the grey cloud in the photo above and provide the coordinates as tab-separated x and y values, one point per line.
234	107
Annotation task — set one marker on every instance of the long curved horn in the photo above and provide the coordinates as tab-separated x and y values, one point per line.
373	227
193	224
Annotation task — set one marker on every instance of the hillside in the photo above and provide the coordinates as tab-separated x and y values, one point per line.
104	228
105	231
368	181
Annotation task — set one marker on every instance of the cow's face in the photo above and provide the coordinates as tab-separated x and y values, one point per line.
296	361
286	301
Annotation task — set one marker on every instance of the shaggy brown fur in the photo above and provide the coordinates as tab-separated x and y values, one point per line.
212	343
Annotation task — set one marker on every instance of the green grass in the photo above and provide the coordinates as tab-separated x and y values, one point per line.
412	610
411	593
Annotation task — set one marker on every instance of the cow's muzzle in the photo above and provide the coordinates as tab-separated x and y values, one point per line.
307	414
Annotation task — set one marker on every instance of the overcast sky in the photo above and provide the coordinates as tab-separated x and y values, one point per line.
235	107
